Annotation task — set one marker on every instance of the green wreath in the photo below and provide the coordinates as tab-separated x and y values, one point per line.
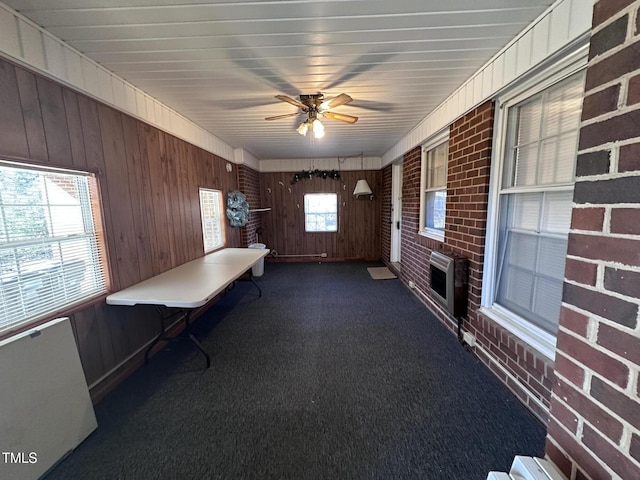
237	209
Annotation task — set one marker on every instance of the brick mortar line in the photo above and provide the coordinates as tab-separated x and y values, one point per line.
610	176
628	389
628	9
610	145
619	236
610	293
612	114
625	436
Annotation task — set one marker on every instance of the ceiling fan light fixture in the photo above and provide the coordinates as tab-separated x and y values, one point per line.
318	128
302	129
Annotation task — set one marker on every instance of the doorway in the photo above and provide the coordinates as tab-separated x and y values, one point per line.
396	213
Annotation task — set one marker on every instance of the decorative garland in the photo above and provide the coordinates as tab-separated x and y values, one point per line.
307	174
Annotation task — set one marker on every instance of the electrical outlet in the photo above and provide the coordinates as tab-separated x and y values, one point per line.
469	339
412	284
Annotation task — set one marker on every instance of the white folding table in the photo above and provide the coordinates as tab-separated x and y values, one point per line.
190	286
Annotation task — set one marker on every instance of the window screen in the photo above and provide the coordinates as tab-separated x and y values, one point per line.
211	215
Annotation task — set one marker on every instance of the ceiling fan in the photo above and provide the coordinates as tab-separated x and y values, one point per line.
315	105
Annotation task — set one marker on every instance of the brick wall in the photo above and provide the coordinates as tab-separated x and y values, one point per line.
527	373
385	215
594	430
249	184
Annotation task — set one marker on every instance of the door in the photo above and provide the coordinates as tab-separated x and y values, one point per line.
396	212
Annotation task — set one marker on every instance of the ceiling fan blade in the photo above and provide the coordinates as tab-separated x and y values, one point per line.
290	100
341	99
286	115
341	117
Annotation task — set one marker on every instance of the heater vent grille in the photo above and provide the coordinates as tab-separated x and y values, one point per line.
448	281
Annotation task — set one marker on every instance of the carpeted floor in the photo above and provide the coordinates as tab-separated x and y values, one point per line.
330	375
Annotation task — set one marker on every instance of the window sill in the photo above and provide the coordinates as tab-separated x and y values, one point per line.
436	235
543	342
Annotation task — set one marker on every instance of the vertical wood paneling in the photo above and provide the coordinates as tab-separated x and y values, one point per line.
54	119
358	235
76	139
116	179
32	115
13	137
149	196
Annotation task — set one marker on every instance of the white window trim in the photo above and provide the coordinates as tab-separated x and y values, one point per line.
430	144
335	195
572	63
223	238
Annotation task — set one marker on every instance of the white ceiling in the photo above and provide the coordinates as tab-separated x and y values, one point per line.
220	63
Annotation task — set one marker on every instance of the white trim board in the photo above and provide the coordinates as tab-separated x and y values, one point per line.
564	23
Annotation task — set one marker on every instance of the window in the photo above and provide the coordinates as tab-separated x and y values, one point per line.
211	214
51	248
321	212
533	206
433	193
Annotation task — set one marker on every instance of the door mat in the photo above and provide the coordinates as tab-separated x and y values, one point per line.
380	273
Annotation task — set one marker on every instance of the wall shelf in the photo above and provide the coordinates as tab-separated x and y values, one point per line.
260	209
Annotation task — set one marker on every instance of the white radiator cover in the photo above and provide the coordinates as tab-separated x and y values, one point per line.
528	468
45	408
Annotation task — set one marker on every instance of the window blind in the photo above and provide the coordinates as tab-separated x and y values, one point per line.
51	251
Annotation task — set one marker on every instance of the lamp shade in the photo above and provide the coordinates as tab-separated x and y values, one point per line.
362	188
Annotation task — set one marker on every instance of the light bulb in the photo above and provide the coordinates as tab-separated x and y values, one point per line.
302	129
318	128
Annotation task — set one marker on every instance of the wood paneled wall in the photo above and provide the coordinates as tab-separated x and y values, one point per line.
148	183
358	236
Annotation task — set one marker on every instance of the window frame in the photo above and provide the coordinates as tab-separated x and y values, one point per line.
223	233
92	210
547	76
304	203
434	142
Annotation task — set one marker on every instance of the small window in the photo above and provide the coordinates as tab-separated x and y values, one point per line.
211	214
321	212
51	245
434	190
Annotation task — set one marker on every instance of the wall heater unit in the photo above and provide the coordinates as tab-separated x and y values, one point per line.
45	408
448	283
528	468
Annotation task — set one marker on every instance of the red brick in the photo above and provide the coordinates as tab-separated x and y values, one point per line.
587	409
607	366
615	309
634	448
629	160
633	90
610	455
613	67
569	370
619	342
593	163
575	450
582	272
574	321
559	459
622	250
608	37
601	102
603	10
625	221
620	127
616	401
566	417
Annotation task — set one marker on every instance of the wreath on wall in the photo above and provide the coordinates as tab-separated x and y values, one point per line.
307	174
237	209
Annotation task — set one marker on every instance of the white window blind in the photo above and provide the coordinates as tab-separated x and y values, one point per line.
535	205
321	212
211	215
51	248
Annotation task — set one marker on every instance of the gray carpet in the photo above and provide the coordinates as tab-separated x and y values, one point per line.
330	375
